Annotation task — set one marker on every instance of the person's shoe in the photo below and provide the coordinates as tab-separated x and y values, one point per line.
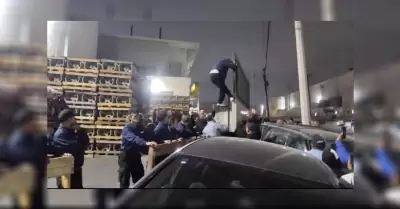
232	99
220	105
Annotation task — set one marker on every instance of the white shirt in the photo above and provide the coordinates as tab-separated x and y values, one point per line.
349	178
213	71
213	129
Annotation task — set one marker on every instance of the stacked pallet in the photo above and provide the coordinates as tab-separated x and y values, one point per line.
99	92
79	84
114	105
170	102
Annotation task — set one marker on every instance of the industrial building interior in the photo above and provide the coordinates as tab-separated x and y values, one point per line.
325	72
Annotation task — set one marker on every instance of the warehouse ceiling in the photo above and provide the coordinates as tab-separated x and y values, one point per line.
332	48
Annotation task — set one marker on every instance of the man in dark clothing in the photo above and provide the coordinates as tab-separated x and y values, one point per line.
240	130
201	122
331	158
129	159
162	132
70	138
218	75
28	145
183	129
253	130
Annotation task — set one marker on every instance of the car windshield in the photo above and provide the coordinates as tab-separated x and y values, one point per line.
188	172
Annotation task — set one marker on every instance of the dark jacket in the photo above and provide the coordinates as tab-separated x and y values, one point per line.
223	67
184	131
162	132
27	147
132	139
200	124
66	140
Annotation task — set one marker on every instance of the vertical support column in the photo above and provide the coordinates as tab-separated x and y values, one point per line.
302	74
328	10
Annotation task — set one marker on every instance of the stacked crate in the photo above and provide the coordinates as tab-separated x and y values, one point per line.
80	92
170	102
55	73
114	105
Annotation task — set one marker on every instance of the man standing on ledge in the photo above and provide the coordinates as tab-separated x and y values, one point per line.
218	75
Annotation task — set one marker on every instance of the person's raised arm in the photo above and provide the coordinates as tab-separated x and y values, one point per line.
343	153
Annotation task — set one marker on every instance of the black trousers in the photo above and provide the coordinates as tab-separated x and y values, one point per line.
76	180
130	166
219	81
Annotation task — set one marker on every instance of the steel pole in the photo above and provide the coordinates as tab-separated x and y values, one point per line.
328	10
302	74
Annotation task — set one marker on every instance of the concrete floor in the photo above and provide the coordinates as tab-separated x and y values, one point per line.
99	172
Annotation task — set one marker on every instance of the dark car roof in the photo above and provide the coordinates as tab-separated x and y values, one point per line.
310	131
258	154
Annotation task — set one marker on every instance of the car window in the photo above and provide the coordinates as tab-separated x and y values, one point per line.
275	135
199	173
297	141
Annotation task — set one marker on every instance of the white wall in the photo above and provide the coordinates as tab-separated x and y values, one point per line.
72	39
26	21
161	56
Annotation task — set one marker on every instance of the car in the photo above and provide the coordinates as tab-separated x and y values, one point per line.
300	137
216	170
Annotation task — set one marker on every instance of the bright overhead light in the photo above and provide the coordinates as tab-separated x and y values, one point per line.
292	104
319	98
157	86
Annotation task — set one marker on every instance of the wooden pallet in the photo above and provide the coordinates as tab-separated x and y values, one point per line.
88	126
109	89
55	70
114	108
117	105
108	120
79	71
114	140
110	126
79	103
58	88
121	94
114	74
79	86
77	106
79	63
85	120
112	123
52	83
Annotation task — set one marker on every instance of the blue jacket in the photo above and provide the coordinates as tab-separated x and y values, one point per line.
65	140
162	132
23	147
389	168
344	155
132	139
184	131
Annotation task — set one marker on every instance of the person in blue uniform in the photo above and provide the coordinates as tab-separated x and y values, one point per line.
70	138
183	129
162	131
27	144
218	75
130	158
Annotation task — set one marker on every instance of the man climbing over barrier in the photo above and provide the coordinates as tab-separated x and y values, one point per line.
218	75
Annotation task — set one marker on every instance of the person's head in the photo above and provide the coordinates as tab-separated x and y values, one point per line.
136	118
318	142
67	118
202	115
163	117
27	120
185	120
209	118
